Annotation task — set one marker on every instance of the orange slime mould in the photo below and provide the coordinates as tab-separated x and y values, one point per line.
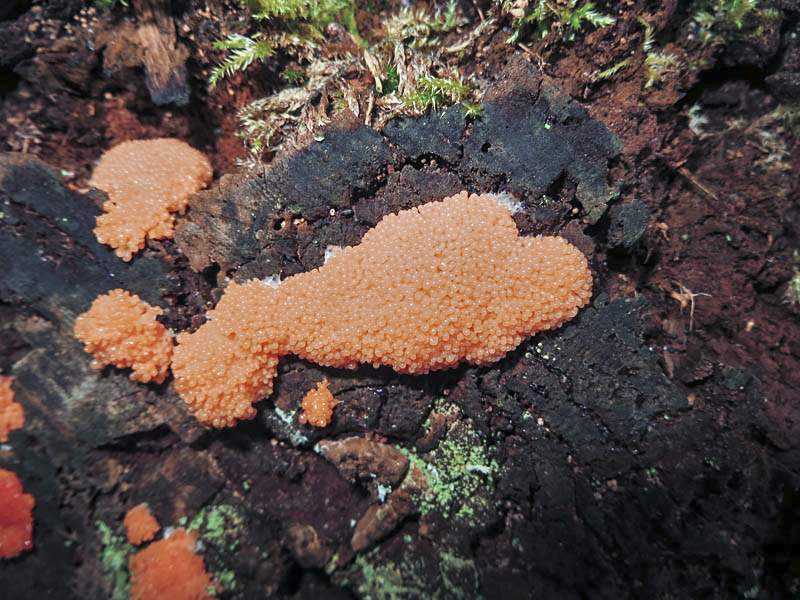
427	288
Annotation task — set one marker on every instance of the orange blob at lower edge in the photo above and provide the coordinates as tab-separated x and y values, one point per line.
427	288
170	569
16	516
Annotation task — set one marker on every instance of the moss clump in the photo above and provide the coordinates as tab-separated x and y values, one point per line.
543	16
711	13
406	72
419	29
436	92
294	25
719	20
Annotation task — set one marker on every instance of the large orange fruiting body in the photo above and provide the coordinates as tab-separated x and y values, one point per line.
427	288
121	330
16	519
141	526
12	416
318	405
146	181
169	568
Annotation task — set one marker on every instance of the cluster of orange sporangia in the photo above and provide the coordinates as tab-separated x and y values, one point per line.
169	567
427	288
146	182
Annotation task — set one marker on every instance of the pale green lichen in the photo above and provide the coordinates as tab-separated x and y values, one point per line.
450	576
389	581
219	525
459	476
114	558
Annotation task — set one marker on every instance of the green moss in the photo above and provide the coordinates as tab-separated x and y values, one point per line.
437	92
391	81
767	19
420	28
295	26
243	51
294	77
411	77
114	557
544	16
732	12
658	64
316	13
718	17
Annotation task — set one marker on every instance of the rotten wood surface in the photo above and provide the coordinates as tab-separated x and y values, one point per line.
164	58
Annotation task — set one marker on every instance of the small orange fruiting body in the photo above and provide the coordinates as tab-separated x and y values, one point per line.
318	405
16	518
140	525
146	181
169	568
121	330
12	416
427	288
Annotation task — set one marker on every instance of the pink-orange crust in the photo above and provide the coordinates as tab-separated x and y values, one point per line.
121	330
427	288
146	181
